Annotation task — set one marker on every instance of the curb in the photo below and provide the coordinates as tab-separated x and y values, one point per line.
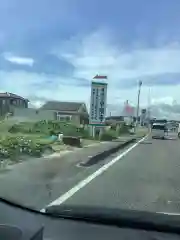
102	155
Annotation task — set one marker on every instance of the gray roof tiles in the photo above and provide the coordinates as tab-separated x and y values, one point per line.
11	95
62	106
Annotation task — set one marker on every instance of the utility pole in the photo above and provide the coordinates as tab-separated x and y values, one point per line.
139	92
149	110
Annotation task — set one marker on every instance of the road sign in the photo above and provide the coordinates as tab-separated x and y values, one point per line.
98	103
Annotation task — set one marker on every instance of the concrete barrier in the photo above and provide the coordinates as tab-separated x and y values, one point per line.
103	155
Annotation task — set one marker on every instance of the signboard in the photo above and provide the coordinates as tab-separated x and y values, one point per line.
98	103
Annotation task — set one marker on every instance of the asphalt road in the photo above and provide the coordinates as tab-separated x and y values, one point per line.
146	178
37	182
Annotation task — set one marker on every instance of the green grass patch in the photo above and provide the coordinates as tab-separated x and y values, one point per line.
32	138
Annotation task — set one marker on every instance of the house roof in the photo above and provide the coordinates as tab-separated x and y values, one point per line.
11	95
62	106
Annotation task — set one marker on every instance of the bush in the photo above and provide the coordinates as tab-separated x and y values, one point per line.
123	129
72	141
113	127
49	128
108	136
14	147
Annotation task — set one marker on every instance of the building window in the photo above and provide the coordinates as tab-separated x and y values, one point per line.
63	118
13	102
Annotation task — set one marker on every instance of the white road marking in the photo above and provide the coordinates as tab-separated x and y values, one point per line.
87	180
169	213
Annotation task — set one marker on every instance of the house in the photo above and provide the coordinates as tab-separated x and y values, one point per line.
115	118
75	112
8	101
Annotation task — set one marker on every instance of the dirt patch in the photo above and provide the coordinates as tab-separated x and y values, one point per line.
88	142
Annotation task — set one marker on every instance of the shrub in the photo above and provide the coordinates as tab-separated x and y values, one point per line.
13	147
49	128
123	129
107	136
113	126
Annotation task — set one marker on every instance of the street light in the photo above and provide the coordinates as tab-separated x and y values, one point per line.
139	92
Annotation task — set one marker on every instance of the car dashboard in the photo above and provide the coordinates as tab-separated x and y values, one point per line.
38	226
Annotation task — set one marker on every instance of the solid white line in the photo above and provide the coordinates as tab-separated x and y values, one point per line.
87	180
171	214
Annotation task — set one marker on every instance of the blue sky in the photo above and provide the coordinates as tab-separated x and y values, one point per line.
52	49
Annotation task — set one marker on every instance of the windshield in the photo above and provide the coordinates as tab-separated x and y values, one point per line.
159	127
81	85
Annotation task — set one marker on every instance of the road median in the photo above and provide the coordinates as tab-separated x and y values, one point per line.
91	155
103	155
121	143
118	144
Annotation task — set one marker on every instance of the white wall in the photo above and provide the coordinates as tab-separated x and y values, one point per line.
32	114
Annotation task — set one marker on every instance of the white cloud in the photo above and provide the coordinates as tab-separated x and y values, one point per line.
163	100
97	53
36	104
19	60
33	85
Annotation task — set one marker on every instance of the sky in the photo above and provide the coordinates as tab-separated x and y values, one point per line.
52	49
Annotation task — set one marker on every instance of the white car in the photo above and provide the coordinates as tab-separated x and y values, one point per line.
159	130
179	131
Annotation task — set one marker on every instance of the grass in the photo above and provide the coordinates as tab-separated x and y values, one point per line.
29	130
61	147
39	132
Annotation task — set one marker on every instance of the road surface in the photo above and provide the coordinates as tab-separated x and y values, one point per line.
144	176
36	182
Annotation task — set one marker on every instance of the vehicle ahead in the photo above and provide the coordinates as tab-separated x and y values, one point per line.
178	130
159	130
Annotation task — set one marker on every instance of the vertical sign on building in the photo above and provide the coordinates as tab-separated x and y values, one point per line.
98	101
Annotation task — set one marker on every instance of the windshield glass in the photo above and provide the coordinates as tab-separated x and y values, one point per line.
160	127
81	84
